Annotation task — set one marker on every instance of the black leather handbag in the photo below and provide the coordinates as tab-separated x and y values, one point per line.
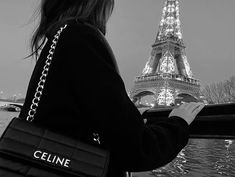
29	150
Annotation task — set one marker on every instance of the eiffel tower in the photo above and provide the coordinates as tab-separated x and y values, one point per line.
167	76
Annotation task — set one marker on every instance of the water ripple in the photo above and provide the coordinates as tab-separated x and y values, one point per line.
202	158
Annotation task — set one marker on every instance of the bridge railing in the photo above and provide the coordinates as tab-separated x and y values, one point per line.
213	122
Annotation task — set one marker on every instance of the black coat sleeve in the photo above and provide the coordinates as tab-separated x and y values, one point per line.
98	90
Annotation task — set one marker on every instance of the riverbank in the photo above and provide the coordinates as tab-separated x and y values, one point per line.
5	118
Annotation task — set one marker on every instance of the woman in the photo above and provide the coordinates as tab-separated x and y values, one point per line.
84	92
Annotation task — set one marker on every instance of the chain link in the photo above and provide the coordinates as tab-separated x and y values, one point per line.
41	83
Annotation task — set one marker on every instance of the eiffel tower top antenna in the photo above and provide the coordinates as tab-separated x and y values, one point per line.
169	26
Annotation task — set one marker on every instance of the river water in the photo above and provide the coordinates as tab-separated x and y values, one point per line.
200	158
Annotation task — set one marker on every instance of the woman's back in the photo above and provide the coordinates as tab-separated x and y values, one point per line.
61	106
84	94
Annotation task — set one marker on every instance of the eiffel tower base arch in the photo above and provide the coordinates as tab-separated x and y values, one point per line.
182	91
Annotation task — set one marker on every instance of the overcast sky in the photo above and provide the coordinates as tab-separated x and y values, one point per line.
208	29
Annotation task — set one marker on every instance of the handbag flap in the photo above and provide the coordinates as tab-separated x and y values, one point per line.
24	140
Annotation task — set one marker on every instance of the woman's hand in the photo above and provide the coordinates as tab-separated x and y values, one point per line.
187	111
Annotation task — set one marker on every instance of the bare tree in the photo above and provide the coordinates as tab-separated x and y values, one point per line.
222	92
206	92
229	87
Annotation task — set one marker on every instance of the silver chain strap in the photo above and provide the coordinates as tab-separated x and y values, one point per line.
41	83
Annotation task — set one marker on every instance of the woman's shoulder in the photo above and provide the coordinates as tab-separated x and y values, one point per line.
81	29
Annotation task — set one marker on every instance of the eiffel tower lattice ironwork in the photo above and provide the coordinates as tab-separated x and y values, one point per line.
167	75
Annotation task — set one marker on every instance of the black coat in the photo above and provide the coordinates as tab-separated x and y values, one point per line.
84	93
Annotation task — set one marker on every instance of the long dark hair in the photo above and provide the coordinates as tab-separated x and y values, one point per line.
53	13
